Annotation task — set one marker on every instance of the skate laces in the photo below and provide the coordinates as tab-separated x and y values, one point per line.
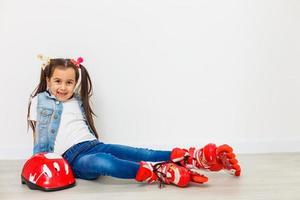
160	169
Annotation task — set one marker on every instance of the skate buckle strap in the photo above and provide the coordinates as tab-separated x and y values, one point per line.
197	159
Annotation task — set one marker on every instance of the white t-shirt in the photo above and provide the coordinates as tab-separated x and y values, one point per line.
72	129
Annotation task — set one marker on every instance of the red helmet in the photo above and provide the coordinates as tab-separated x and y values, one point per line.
48	172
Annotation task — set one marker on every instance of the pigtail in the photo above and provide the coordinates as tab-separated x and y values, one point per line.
42	86
86	93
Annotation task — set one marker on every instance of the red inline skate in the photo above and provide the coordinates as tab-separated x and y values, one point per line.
209	157
168	173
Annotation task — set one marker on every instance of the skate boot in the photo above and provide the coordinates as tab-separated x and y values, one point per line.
167	173
209	157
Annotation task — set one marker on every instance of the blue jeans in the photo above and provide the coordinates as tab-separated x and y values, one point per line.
92	159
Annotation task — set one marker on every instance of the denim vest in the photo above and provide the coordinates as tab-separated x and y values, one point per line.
49	111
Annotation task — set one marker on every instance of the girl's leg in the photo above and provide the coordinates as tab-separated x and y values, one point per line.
91	166
133	153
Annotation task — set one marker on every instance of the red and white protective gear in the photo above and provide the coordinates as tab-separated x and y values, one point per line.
209	157
48	172
168	173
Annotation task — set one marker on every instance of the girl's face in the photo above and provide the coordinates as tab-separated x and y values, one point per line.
62	83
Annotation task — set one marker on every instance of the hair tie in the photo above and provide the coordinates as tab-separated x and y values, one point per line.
77	62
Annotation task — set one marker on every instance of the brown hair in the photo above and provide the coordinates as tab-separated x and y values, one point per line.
85	90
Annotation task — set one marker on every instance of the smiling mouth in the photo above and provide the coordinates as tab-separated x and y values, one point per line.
62	93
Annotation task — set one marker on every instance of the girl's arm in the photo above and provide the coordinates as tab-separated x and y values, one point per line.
33	123
32	116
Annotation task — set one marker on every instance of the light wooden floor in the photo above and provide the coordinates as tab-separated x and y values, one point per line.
264	176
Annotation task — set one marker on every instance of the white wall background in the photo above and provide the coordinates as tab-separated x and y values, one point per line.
165	72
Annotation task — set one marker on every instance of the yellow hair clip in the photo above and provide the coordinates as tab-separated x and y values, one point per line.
45	59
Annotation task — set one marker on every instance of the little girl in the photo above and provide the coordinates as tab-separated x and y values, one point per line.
61	118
